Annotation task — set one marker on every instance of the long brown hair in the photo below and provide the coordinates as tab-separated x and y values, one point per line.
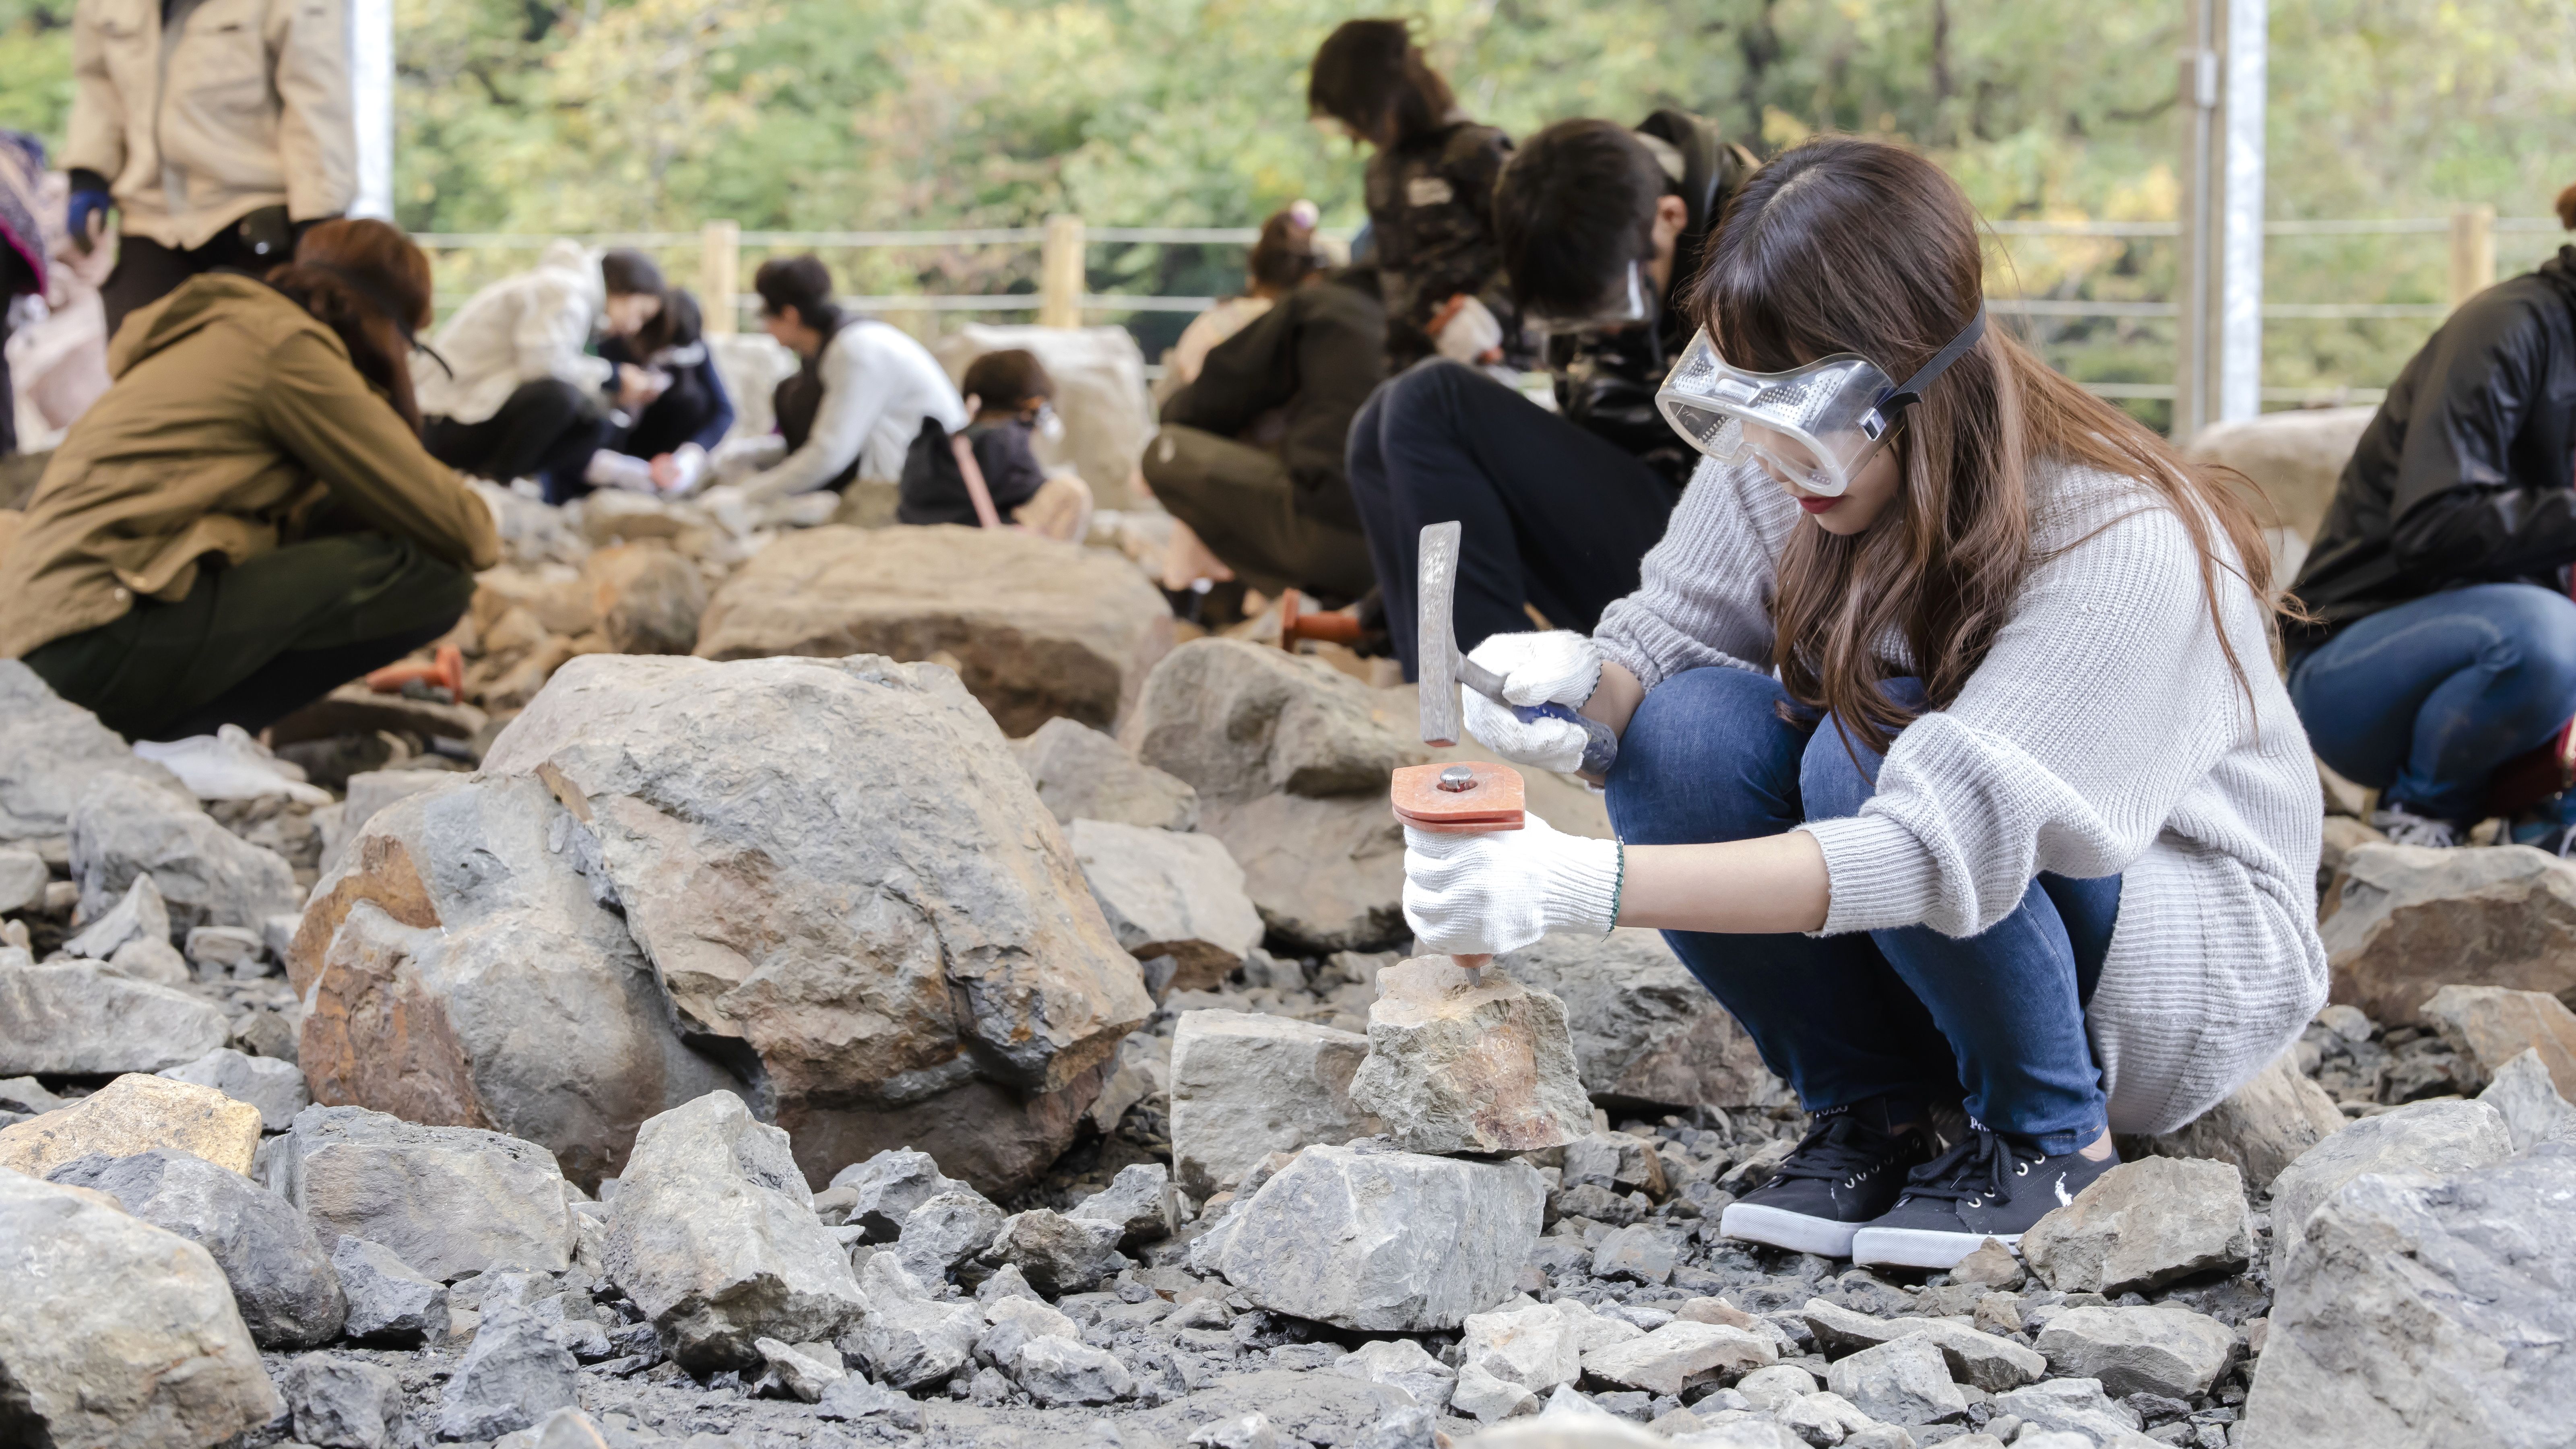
1847	245
1372	77
366	281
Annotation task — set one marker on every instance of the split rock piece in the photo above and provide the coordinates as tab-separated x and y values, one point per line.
2533	1111
1246	1085
1058	1255
123	828
2142	1225
2262	1126
117	1333
1905	1381
1980	1359
1139	1201
136	1113
140	915
1680	1355
448	1201
2439	1138
2413	919
2163	1348
1057	1371
387	1300
512	1376
945	1231
713	1235
905	1337
1401	1363
342	1403
1461	1066
2491	1025
889	1186
282	1280
1383	1241
1083	774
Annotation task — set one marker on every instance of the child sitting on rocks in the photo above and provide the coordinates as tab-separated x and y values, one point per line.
1011	399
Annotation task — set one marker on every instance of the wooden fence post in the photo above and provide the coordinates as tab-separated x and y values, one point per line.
2473	257
1060	274
720	276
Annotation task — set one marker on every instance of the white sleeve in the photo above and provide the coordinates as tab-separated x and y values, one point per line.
1704	596
548	335
855	394
2105	698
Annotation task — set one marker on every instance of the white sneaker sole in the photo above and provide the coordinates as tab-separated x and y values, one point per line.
1780	1228
1919	1247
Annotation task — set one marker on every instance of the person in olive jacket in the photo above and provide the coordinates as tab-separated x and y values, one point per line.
2434	639
247	518
1430	191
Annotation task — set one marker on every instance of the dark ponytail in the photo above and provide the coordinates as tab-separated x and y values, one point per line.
366	282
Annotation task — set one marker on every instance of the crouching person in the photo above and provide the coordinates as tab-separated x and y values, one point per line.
1013	401
2023	817
247	518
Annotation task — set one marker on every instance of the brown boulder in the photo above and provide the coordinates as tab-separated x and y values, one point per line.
2410	920
2261	1127
2491	1026
648	598
1038	628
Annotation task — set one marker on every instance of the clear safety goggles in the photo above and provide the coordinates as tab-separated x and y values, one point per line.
1816	426
1628	302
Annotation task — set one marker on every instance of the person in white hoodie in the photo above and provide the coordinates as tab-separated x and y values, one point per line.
854	406
510	388
217	129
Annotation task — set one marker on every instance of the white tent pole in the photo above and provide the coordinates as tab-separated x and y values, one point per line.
2240	268
371	96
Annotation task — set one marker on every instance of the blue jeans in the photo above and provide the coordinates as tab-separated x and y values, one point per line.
2426	699
1906	1011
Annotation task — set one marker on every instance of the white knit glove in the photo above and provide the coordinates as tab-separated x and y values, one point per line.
1557	667
1502	890
1470	333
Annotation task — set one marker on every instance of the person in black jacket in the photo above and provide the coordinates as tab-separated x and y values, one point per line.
1250	456
1430	191
1598	225
667	405
2439	640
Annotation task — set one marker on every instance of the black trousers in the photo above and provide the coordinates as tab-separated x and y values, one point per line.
679	414
1555	518
258	640
147	271
546	429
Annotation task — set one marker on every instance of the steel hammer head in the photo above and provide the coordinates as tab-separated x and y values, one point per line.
1435	639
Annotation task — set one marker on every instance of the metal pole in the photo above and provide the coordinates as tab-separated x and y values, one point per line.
2473	262
2200	96
2240	302
371	104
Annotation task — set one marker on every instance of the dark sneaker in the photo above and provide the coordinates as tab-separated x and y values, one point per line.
1848	1171
1987	1186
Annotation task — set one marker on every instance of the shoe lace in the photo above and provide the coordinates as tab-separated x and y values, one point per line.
1979	1165
2404	827
1839	1146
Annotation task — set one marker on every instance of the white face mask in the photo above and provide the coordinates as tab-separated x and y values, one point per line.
1049	425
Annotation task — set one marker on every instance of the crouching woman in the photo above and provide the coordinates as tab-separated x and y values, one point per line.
1952	758
247	518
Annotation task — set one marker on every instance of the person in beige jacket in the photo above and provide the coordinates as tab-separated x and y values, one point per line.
217	129
247	519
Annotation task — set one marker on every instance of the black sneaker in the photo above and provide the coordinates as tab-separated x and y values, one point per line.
1987	1186
1848	1171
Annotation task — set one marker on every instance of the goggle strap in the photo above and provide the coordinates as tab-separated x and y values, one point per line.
1884	416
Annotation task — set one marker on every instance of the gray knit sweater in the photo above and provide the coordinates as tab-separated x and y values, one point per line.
2104	733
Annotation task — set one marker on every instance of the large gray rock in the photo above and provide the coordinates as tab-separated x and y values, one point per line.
1903	1381
2440	1138
1038	628
281	1278
712	1233
276	1088
50	750
945	1231
139	915
343	1403
24	876
123	827
1290	759
1057	1370
1645	1031
117	1334
2412	919
2142	1225
2162	1348
387	1300
1169	894
1057	1254
2417	1309
835	866
1246	1085
74	1018
888	1187
447	1200
512	1376
1383	1241
2261	1127
1083	774
464	967
1460	1065
2523	1094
